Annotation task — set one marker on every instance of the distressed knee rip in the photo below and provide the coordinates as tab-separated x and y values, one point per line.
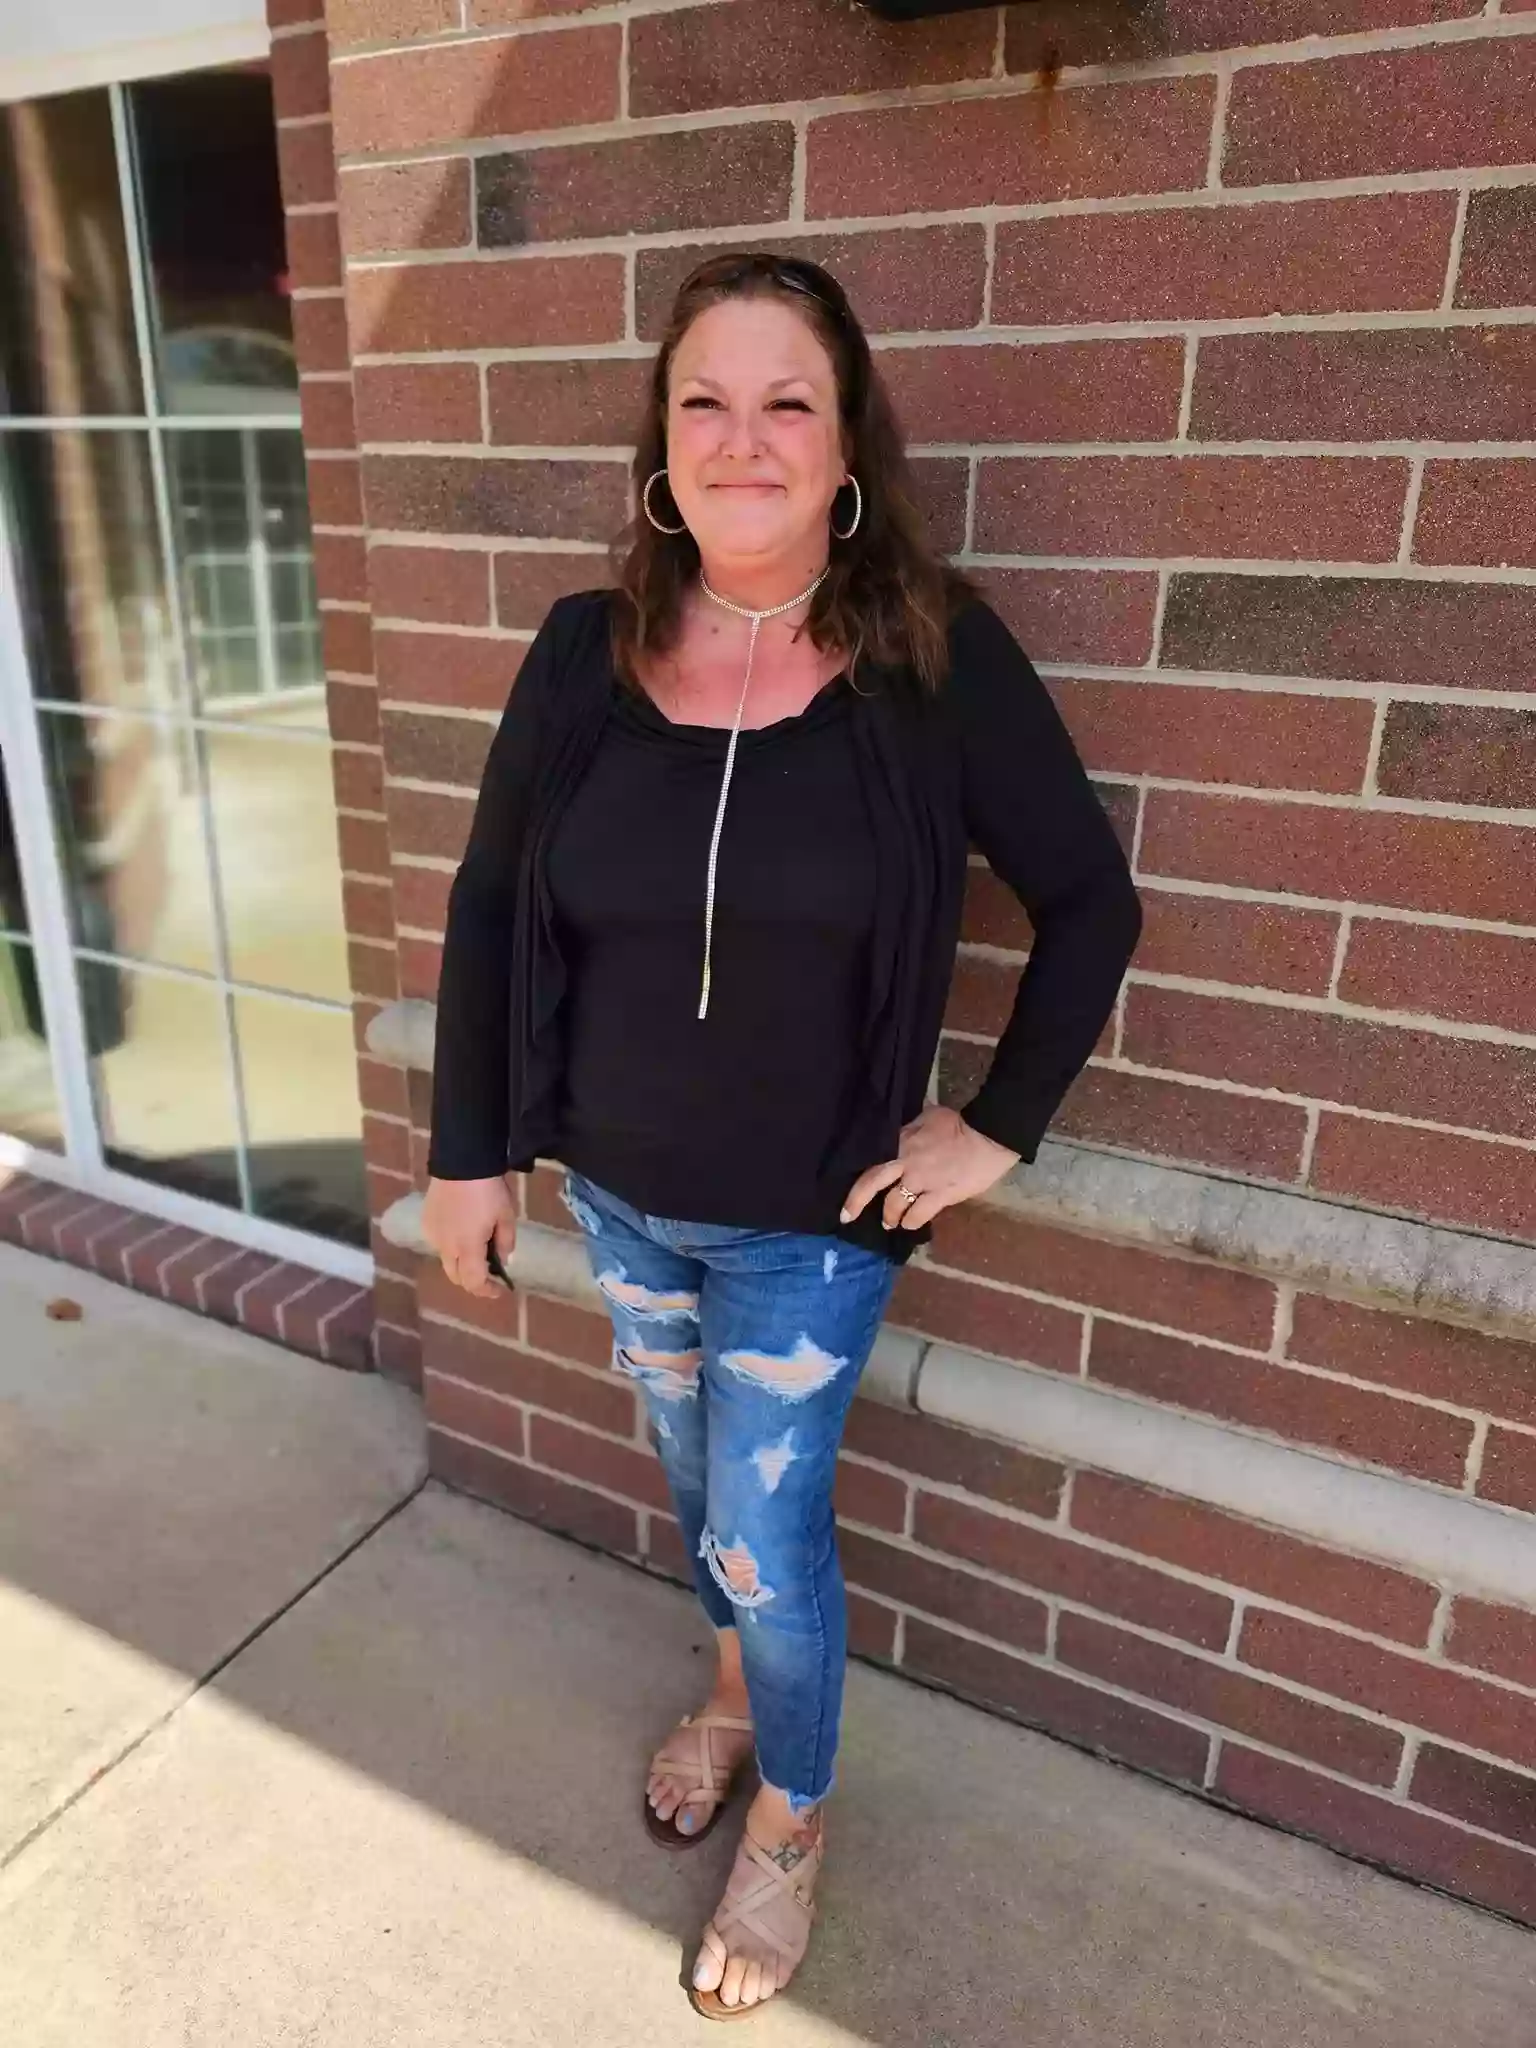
665	1305
734	1570
586	1216
669	1375
793	1375
772	1461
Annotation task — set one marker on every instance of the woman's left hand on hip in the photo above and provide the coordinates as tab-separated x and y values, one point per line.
942	1161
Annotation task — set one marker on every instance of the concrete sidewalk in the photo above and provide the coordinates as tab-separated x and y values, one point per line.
405	1811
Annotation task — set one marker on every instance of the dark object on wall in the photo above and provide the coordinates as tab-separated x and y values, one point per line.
919	10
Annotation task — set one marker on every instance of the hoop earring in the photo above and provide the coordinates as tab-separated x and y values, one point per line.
858	511
645	505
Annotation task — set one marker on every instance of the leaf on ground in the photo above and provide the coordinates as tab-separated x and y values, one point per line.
64	1310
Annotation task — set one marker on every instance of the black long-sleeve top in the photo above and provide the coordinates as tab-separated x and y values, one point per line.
567	1011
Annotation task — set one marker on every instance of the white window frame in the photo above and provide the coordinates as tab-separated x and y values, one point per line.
82	1164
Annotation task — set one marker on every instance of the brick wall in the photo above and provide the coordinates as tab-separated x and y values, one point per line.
1220	369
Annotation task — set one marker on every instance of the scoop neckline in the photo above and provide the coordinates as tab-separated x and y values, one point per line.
641	700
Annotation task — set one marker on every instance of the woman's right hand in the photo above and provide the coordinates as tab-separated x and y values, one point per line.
460	1218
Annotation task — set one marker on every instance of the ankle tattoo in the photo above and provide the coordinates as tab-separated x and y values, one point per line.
794	1849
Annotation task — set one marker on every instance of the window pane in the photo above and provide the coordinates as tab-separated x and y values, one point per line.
13	905
242	534
206	150
129	825
28	1106
93	598
66	313
279	869
299	1068
161	1073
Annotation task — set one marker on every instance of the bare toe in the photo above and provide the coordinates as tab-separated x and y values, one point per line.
730	1987
709	1969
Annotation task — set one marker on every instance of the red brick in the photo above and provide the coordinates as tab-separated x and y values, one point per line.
373	973
421	968
1252	945
528	583
898	280
1470	977
645	184
294	13
1232	1699
397	1355
1382	384
341	568
111	1250
1364	116
954	1457
1284	508
1109	33
1436	1360
1058	391
496	1315
1119	1278
1478	513
1503	1802
1255	1393
598	1461
1381	1829
179	1274
679	63
540	302
460	670
1369	630
1509	1471
306	163
1063	615
1221	1546
993	915
536	1496
871	1630
582	402
1225	262
1191	734
146	1262
423	821
496	496
299	68
513	13
544	1194
262	1302
394	1301
368	908
358	776
419	402
665	1553
305	1319
1470	1082
421	898
406	206
1048	1699
1208	1126
578	1333
863	1494
314	251
1456	866
500	86
364	846
988	1319
347	642
320	333
961	1597
349	1335
941	484
603	1401
73	1232
1091	1578
335	490
1497	1639
388	21
447	586
1498	249
1428	1696
1434	1174
1093	142
387	1144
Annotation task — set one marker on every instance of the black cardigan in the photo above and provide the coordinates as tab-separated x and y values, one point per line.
985	761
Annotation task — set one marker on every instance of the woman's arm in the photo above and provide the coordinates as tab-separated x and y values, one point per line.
470	1066
1031	809
1033	813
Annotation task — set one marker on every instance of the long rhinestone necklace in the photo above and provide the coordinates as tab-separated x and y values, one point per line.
742	611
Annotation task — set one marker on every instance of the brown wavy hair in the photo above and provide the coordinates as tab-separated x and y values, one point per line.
890	596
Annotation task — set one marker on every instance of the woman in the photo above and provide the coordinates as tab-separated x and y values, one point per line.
698	951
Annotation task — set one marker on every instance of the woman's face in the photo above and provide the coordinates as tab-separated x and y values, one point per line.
754	440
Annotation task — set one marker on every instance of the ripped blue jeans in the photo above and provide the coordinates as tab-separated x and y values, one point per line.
748	1346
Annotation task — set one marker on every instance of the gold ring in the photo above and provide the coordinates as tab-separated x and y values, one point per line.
906	1193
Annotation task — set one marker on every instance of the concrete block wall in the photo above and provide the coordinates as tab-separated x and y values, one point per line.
1212	327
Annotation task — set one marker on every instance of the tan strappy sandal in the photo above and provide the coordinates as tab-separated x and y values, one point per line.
711	1780
776	1906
